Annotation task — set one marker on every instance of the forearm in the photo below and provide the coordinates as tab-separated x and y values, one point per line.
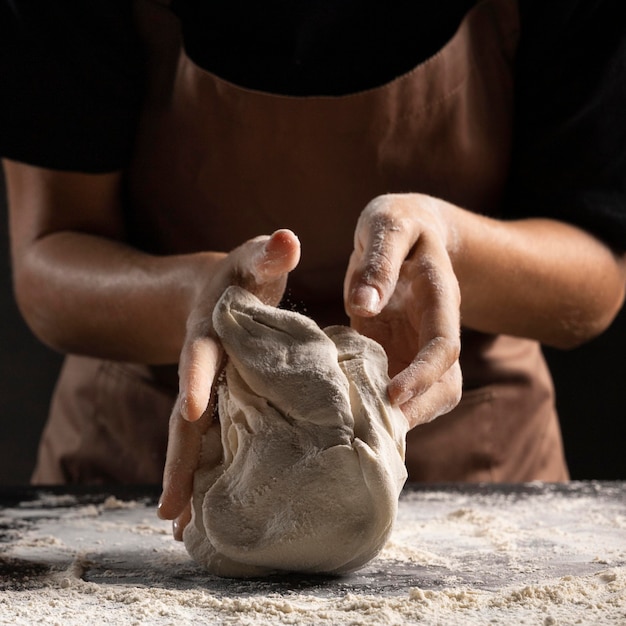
79	288
91	295
535	278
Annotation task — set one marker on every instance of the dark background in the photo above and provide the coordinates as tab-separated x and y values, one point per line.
590	382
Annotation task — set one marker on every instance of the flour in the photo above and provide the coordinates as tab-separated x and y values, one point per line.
112	503
541	555
312	452
68	601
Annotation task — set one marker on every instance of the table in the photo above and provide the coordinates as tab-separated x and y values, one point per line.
459	554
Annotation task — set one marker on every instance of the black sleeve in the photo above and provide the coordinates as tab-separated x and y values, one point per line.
71	76
569	157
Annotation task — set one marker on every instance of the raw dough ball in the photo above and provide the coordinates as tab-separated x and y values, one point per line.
310	464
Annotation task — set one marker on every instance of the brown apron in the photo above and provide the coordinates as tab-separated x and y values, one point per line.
217	164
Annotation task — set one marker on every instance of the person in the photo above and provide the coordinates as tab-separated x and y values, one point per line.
449	179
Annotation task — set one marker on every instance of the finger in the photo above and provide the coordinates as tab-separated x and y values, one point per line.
439	399
278	255
183	454
263	263
199	364
435	315
178	525
383	239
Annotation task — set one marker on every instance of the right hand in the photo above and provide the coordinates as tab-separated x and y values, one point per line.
260	265
401	290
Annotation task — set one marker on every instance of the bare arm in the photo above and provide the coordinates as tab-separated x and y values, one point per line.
78	286
536	278
82	290
425	265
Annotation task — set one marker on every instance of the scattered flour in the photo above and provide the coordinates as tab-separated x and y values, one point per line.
542	555
111	502
68	600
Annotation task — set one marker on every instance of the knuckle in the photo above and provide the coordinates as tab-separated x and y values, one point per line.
385	213
448	347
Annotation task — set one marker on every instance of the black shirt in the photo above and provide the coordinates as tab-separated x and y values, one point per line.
71	79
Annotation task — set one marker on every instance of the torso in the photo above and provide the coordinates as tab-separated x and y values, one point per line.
217	163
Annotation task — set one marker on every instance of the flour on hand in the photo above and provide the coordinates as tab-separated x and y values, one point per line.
311	461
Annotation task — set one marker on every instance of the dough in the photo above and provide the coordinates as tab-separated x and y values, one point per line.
305	472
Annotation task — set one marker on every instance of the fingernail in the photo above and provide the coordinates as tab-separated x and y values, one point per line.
184	407
177	530
366	297
404	397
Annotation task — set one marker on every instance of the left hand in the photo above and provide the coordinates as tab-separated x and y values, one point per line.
401	290
260	265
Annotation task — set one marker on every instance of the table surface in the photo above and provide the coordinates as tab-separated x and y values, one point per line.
535	553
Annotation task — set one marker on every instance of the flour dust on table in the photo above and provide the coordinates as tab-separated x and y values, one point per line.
537	554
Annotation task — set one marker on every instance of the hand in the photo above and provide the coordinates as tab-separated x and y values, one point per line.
260	265
401	290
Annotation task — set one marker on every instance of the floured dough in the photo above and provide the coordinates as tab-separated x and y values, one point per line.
310	464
